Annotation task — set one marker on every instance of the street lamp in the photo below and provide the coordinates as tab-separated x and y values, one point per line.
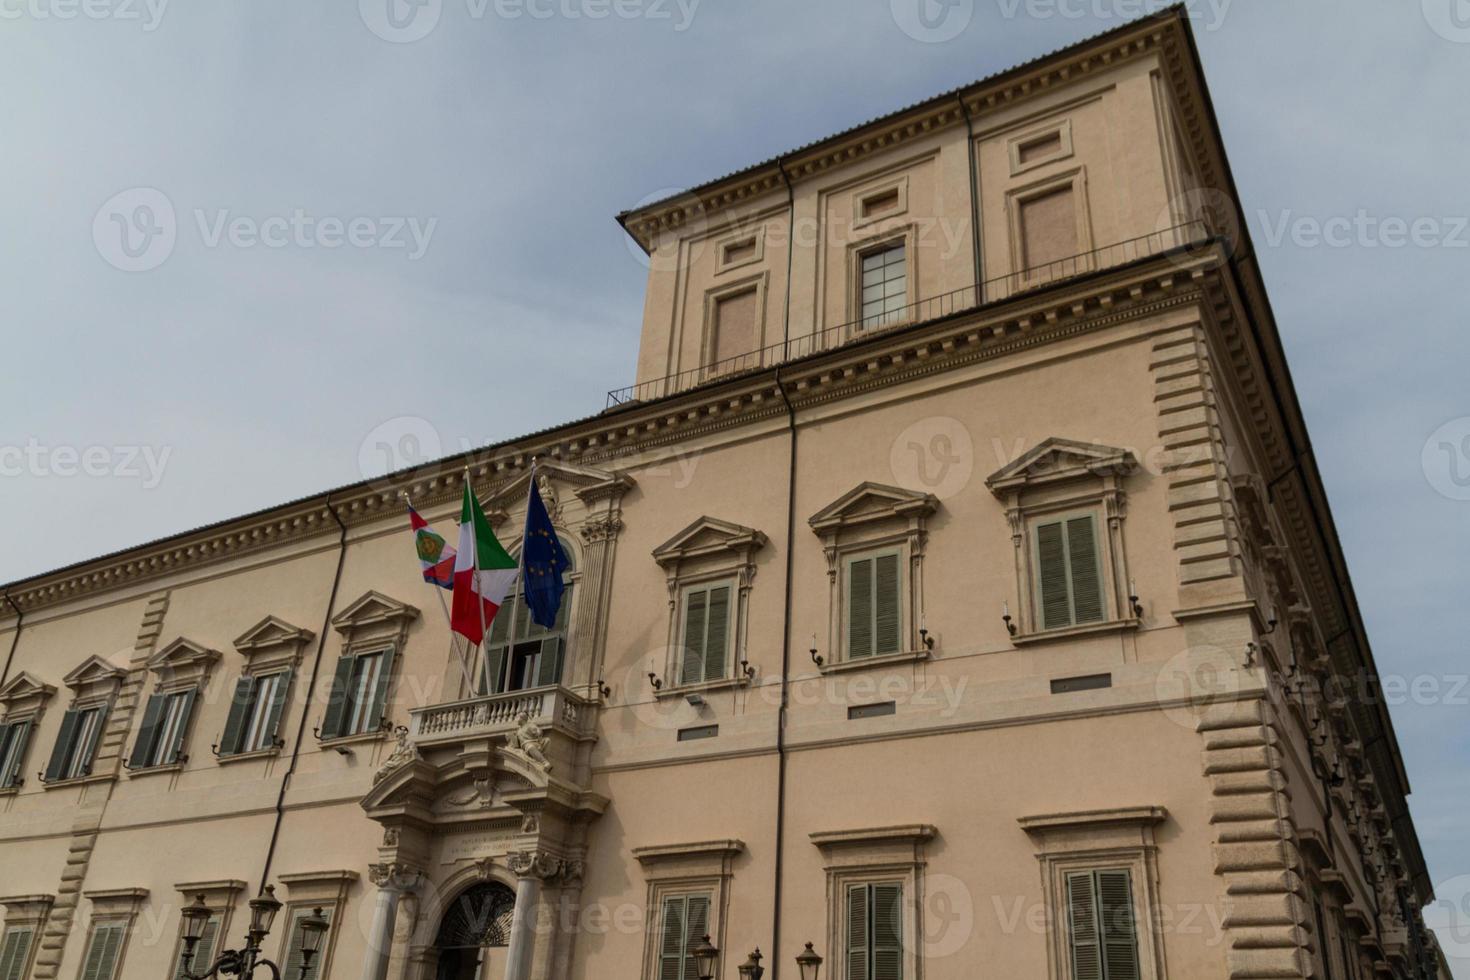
243	963
705	957
809	963
751	969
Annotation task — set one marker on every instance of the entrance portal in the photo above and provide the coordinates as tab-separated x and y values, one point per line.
476	923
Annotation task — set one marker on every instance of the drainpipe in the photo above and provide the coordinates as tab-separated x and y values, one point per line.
790	252
310	689
776	957
20	619
974	199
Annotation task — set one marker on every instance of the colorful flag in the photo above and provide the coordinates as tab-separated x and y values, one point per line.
483	573
435	554
544	562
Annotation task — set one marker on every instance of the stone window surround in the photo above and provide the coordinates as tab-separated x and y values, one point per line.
371	623
907	235
1061	128
757	238
95	683
113	906
1076	179
26	912
686	563
759	281
880	188
180	666
875	855
220	896
686	869
270	646
307	890
24	698
1092	840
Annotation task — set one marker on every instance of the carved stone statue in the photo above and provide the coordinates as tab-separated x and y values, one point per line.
403	753
530	741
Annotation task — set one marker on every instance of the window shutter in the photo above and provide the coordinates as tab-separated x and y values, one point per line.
1082	559
857	933
278	706
696	612
337	700
860	609
717	638
148	733
92	735
18	734
494	678
186	711
888	603
1120	945
61	752
293	945
101	960
548	668
671	946
229	744
380	691
695	929
1082	927
203	950
1051	559
887	932
14	952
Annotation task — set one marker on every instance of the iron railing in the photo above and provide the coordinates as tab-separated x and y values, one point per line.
960	300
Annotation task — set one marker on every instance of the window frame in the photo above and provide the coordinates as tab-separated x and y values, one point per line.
709	329
8	932
161	753
877	856
690	939
859	323
13	751
673	870
850	557
708	585
1063	518
78	764
259	710
870	950
1083	260
515	605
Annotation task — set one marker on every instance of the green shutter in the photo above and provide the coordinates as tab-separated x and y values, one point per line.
1087	597
336	714
548	667
64	741
888	603
101	959
887	932
235	723
860	609
148	733
696	612
293	946
13	746
203	957
494	679
696	927
671	943
858	965
380	692
186	711
718	633
278	707
1051	560
1119	935
88	750
1082	927
14	952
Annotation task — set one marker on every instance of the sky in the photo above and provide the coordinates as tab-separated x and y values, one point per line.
392	237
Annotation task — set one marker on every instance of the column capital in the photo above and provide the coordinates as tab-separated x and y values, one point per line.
395	876
541	866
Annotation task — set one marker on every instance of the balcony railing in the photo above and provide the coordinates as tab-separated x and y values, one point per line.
930	308
495	713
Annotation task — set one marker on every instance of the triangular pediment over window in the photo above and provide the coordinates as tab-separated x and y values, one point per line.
271	632
709	536
182	653
1058	460
24	688
93	670
372	609
869	502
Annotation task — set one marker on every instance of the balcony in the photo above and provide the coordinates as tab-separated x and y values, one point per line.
495	714
963	300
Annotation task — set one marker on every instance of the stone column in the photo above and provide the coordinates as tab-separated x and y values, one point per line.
392	881
531	868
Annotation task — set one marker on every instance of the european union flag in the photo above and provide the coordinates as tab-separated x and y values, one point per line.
543	562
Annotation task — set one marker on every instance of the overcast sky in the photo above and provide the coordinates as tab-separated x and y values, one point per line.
489	292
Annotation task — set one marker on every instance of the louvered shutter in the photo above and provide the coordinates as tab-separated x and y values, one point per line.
18	734
548	667
887	932
887	604
293	945
718	634
379	695
14	952
148	733
278	706
671	943
1087	597
229	743
203	957
696	612
101	959
92	734
857	934
1082	927
860	608
695	929
337	701
1119	935
61	752
186	711
1051	560
494	678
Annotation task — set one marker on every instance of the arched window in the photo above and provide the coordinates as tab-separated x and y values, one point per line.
521	654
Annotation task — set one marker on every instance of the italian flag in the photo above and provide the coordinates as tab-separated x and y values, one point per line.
483	573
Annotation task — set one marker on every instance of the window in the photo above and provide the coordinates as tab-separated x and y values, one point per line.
255	713
685	921
536	655
104	951
706	632
359	693
165	723
1100	925
1068	571
204	949
13	739
15	952
874	946
874	605
736	326
292	952
884	285
76	744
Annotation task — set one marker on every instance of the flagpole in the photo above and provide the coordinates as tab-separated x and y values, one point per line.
475	564
464	666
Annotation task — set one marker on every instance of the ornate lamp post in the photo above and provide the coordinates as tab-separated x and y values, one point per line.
751	969
705	957
809	963
244	962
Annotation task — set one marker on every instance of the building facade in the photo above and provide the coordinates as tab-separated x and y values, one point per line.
953	591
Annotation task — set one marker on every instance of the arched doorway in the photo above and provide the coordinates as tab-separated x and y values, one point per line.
477	921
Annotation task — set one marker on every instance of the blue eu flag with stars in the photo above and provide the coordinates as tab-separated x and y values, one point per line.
543	562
